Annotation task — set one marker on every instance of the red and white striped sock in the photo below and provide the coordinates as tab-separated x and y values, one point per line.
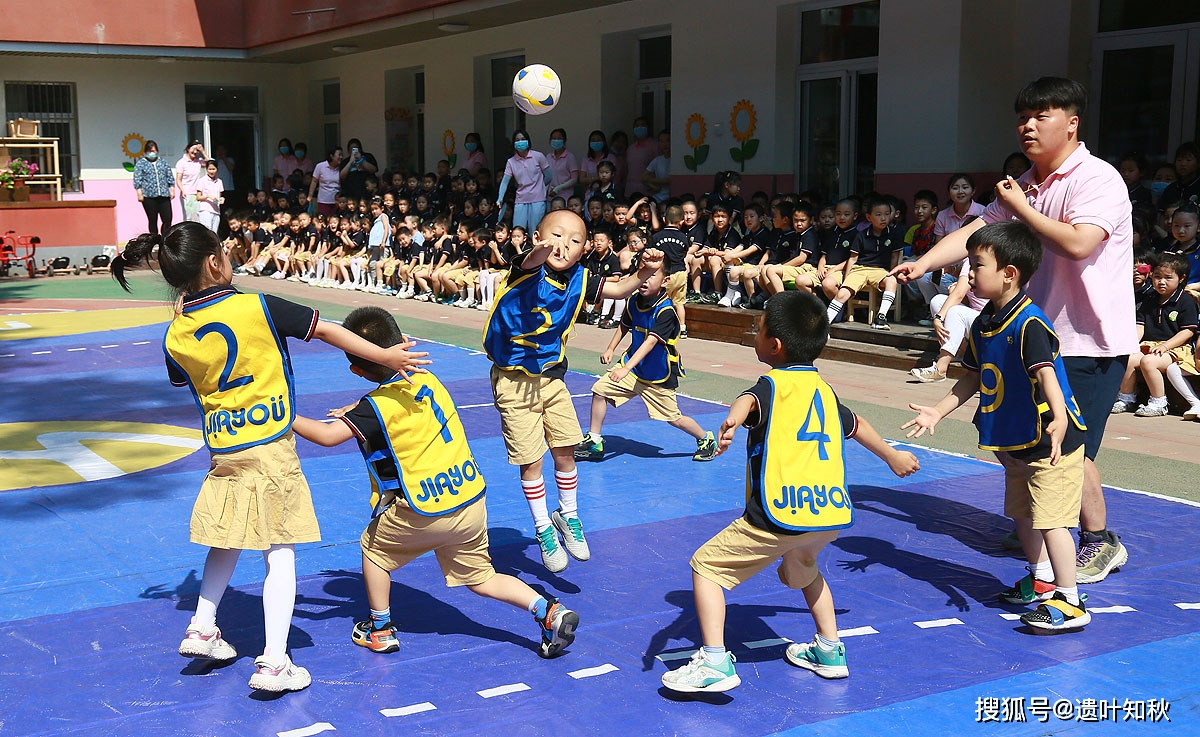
535	497
568	487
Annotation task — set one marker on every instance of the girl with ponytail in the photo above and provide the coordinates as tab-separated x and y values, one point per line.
230	349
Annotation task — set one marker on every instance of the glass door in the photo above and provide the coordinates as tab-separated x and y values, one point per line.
837	131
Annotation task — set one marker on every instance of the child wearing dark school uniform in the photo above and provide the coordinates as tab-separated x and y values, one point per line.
525	338
603	262
755	242
798	429
798	265
650	369
1032	422
427	493
836	246
875	251
1167	325
723	237
229	348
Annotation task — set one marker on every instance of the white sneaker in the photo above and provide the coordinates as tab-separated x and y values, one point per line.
1151	410
699	675
206	644
553	555
293	277
277	677
737	299
484	306
1193	412
927	375
571	530
726	301
1120	407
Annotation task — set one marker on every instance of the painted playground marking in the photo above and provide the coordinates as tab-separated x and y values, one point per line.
1121	609
857	632
308	731
930	623
1188	605
488	693
772	642
404	711
599	670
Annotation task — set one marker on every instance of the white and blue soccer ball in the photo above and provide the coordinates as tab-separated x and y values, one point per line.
536	89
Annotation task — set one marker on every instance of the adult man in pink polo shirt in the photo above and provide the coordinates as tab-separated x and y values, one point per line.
1080	210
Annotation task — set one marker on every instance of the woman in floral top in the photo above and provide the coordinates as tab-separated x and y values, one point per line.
155	185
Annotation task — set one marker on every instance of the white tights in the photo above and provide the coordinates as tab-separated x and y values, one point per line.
279	591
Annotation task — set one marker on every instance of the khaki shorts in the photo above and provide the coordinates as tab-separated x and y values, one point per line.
661	403
463	277
734	555
1049	495
422	270
835	275
864	276
793	273
389	266
1183	355
677	287
459	540
536	414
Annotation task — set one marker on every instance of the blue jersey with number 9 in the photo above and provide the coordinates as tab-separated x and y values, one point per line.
802	478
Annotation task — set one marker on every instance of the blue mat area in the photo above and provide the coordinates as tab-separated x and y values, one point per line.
99	581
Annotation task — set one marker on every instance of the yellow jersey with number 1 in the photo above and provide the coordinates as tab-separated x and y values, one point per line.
802	483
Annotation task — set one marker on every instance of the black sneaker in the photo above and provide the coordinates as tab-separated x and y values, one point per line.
682	333
880	323
706	448
711	298
608	324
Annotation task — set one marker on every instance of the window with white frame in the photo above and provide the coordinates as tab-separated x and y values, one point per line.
53	105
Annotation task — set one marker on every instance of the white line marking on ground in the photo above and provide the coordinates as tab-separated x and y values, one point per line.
677	655
109	346
857	631
308	731
718	365
1010	616
488	693
404	711
72	350
8	355
477	353
146	342
772	642
96	645
938	623
599	670
1188	605
1120	609
476	406
39	353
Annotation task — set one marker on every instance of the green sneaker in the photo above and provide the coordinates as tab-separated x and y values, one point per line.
553	555
706	448
1097	558
825	663
1028	590
589	449
700	675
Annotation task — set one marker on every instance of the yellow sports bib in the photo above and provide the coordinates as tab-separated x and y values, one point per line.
427	442
238	369
803	478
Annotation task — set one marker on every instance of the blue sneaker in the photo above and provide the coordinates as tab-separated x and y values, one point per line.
558	629
700	675
553	555
825	663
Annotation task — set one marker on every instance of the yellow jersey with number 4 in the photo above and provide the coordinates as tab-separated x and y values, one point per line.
802	478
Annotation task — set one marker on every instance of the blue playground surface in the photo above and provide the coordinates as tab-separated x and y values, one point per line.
99	580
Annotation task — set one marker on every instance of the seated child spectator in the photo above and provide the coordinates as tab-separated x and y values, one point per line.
784	245
707	256
801	269
754	244
792	523
836	246
873	253
650	369
1034	425
1185	222
1167	329
953	315
602	261
409	433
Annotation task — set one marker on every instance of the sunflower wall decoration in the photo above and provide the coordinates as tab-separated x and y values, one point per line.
696	131
743	120
448	147
133	146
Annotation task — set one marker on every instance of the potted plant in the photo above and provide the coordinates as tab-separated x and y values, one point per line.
19	170
6	185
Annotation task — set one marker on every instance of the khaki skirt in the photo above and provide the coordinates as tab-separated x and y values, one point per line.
255	498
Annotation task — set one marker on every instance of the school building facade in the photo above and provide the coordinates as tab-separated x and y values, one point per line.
836	95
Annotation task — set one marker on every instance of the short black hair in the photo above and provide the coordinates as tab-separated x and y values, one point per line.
1052	92
1175	262
876	201
375	325
784	209
926	195
1013	243
798	320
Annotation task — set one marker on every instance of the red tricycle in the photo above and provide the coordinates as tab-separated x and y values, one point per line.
16	249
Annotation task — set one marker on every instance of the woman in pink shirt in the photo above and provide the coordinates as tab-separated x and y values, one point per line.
963	206
597	152
642	151
285	162
189	170
208	198
327	182
530	171
564	167
475	157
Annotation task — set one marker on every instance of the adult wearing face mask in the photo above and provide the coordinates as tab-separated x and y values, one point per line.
564	167
188	171
285	162
303	163
530	171
356	169
642	151
155	186
475	157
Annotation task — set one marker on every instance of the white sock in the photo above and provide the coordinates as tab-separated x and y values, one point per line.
606	307
885	304
1042	571
1157	401
1175	376
1070	594
356	270
713	655
619	309
279	598
568	488
825	643
218	569
535	497
1127	398
470	293
835	309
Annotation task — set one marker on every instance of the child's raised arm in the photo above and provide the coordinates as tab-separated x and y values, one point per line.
928	417
327	434
902	462
397	357
652	258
